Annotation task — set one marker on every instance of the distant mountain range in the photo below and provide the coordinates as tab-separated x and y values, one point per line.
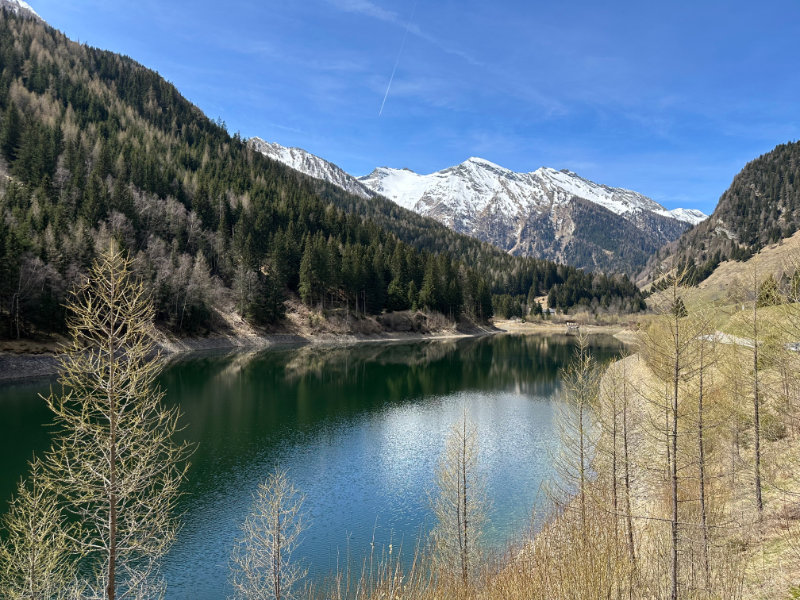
547	213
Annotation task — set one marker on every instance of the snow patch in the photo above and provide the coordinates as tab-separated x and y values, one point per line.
311	165
18	5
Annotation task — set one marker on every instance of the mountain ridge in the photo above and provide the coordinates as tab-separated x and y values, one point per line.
529	214
760	207
19	7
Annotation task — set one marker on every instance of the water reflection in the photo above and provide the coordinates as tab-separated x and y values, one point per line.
359	428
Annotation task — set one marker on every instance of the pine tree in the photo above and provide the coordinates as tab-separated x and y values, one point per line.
11	132
308	280
429	294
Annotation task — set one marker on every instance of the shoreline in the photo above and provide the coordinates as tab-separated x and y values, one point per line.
40	361
621	332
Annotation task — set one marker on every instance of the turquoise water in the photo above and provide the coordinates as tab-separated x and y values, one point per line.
360	430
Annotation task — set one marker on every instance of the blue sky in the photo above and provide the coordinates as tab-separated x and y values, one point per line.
667	98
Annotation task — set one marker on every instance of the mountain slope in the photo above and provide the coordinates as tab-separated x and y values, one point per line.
543	213
311	165
94	147
19	7
761	206
527	214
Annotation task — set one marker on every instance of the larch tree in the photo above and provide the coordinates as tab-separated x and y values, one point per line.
668	347
756	346
262	563
705	357
37	558
628	427
581	380
614	417
460	507
756	333
114	460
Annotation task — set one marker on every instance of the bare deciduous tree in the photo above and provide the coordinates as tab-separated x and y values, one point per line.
37	561
668	348
262	564
756	340
114	459
460	507
613	414
581	381
705	357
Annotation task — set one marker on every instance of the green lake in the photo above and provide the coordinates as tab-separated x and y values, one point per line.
360	430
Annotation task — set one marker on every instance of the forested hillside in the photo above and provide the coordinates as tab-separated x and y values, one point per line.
761	207
94	146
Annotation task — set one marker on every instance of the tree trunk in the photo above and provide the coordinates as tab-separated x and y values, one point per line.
614	463
465	565
276	559
674	465
582	468
756	417
667	402
702	470
112	479
626	458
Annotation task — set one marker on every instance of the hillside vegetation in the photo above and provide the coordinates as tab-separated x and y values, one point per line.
761	207
93	146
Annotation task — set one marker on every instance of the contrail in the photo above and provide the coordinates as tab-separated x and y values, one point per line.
399	54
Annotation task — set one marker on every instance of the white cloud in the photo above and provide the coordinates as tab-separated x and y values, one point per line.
366	8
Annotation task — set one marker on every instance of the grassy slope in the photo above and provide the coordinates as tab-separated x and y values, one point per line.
768	552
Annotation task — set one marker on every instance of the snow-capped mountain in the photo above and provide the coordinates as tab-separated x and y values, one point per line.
545	213
311	165
689	215
19	7
468	190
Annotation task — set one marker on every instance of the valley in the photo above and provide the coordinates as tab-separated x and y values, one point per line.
232	368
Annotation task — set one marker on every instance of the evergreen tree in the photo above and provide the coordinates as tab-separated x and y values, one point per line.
10	132
429	295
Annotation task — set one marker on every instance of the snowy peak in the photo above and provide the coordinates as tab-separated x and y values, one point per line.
19	7
403	186
689	215
311	165
618	200
476	183
482	163
544	213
